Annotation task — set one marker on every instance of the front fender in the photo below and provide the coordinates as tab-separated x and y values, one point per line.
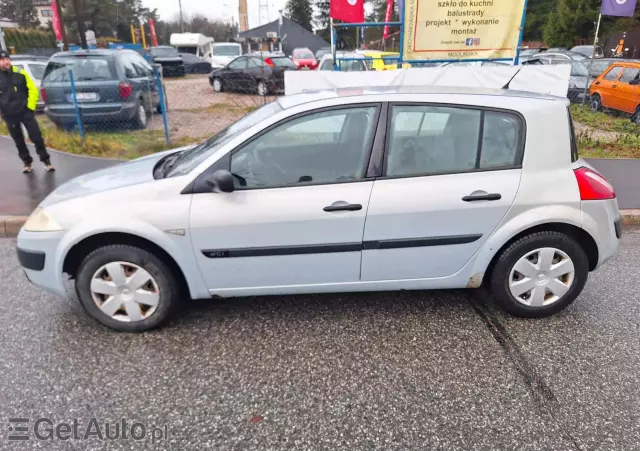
517	222
178	247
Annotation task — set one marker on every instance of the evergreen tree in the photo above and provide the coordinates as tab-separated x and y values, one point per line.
21	11
572	20
321	18
300	12
537	17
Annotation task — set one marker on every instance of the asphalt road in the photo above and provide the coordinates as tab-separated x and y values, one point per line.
22	193
412	370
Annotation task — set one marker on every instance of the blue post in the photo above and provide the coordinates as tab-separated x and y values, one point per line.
401	49
75	103
516	60
163	106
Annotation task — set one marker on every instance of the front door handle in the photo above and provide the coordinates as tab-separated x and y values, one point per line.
342	206
478	197
614	86
597	83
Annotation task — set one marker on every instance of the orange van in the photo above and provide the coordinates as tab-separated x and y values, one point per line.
618	88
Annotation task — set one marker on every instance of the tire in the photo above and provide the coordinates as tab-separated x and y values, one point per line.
595	103
261	88
217	85
635	117
504	274
165	281
140	120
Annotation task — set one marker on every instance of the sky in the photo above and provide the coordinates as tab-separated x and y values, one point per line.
216	9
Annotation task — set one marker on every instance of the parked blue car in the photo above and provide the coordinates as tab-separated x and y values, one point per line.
113	88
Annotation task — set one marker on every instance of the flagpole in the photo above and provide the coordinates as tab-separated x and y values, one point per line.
593	54
333	44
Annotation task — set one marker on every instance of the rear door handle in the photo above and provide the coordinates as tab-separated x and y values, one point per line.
597	83
614	86
342	206
478	197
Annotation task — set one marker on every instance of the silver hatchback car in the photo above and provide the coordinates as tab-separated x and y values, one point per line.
338	191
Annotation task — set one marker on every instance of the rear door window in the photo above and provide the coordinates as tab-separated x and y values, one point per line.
84	68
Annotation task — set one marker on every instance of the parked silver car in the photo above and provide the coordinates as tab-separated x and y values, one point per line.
376	189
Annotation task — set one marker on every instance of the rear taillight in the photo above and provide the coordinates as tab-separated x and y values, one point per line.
43	94
125	90
593	186
269	62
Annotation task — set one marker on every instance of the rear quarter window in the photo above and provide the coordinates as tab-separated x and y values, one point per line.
83	68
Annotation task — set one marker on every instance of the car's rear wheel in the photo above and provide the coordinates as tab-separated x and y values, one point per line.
140	120
540	274
595	103
261	88
126	288
636	116
217	85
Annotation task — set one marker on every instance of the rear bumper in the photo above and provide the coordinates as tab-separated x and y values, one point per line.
92	114
602	220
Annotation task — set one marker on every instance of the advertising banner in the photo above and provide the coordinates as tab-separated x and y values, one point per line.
454	30
57	23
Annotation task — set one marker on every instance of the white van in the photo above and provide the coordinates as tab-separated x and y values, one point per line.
194	43
224	52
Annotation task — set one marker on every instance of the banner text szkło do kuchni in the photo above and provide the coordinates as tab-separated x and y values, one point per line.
462	29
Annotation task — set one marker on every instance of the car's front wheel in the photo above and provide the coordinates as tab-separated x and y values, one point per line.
261	88
540	274
217	85
127	288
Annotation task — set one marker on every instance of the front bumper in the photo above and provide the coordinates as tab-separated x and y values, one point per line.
38	255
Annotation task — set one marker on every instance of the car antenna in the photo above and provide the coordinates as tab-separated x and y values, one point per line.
514	76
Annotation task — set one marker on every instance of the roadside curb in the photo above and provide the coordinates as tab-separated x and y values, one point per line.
11	225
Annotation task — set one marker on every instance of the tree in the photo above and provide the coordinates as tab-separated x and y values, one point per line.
321	18
21	11
572	20
300	12
537	17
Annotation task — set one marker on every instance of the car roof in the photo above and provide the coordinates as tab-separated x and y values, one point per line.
29	61
97	52
345	55
312	96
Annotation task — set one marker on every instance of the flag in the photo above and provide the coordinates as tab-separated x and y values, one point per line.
347	10
387	18
57	23
152	29
621	8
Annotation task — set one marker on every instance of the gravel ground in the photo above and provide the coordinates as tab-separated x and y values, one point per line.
594	133
196	110
410	370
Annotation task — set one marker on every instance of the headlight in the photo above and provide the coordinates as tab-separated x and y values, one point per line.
40	221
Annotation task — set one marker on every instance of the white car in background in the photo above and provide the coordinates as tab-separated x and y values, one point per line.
35	69
357	189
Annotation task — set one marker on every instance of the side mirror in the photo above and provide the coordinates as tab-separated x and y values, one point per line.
222	181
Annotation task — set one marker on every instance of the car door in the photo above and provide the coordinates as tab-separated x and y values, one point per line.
147	79
233	74
607	87
138	83
445	187
256	70
298	212
628	89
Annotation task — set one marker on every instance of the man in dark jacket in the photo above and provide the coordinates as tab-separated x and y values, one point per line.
18	99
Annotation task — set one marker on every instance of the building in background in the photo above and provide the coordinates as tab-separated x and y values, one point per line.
44	10
276	37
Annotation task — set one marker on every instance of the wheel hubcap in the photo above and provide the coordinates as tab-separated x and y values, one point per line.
541	277
216	85
261	89
142	114
125	291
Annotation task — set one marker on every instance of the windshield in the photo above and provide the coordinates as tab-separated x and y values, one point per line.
283	62
37	70
164	52
85	68
306	54
578	57
226	50
189	160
